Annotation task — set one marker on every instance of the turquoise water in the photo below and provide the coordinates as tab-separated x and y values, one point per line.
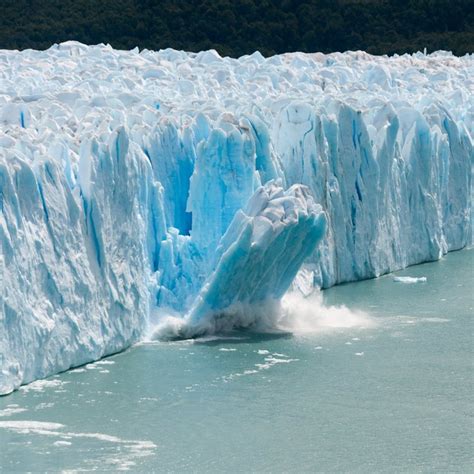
394	395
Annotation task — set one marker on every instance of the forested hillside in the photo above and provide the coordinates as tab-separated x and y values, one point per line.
240	27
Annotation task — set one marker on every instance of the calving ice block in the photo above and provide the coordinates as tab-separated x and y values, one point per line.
137	181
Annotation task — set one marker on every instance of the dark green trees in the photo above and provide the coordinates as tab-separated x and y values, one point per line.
240	27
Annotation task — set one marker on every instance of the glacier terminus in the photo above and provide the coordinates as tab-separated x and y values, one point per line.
139	183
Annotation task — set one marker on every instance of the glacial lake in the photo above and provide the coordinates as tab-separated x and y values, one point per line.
391	393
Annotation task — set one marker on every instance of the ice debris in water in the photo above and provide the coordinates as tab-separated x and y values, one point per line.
409	280
200	186
127	451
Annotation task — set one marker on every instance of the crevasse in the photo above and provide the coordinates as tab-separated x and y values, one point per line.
131	181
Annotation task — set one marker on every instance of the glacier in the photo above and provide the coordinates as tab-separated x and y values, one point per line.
139	183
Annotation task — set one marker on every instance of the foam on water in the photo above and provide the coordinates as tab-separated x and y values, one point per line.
127	451
11	411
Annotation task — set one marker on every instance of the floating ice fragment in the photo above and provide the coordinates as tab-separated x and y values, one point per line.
62	443
77	371
409	280
40	385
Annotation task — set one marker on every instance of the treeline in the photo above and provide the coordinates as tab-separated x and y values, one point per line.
237	27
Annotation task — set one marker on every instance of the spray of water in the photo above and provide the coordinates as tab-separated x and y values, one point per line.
305	315
293	314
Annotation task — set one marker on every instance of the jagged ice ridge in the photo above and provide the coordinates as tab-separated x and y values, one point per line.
132	181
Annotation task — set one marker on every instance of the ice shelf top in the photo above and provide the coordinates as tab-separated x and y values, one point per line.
79	91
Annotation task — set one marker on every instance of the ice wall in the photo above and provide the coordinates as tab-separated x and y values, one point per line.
76	282
131	181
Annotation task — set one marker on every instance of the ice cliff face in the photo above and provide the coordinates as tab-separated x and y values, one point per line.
131	181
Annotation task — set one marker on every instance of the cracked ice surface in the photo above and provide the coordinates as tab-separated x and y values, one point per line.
134	180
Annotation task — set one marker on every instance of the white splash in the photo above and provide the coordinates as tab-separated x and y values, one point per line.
302	315
295	314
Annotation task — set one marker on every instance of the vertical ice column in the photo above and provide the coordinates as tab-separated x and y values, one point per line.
221	184
171	153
